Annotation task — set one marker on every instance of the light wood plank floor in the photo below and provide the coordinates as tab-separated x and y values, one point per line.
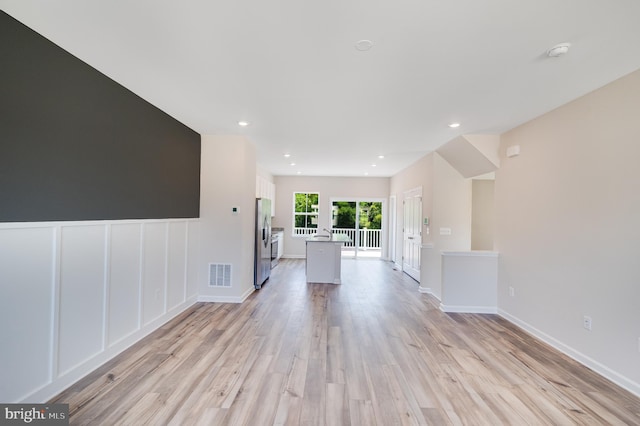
370	351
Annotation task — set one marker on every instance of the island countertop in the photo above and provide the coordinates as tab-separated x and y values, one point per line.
335	238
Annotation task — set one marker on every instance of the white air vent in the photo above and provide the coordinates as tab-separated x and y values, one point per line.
219	275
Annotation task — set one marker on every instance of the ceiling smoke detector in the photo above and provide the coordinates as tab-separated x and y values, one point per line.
558	50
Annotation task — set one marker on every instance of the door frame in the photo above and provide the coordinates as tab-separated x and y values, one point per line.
413	267
393	225
384	225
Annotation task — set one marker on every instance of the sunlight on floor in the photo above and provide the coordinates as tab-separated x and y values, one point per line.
368	253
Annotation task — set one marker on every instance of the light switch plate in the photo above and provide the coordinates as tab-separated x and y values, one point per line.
445	231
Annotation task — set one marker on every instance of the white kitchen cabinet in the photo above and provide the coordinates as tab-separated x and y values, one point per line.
280	244
266	189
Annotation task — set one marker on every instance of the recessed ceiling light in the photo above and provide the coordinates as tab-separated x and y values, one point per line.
373	165
454	125
287	155
292	164
366	173
243	123
298	172
381	156
558	50
364	45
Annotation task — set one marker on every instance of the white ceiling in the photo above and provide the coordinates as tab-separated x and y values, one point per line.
290	67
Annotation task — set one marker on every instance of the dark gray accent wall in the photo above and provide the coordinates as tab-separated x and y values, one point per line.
76	145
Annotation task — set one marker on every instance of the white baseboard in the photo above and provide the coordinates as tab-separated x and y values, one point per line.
583	359
228	299
468	309
294	256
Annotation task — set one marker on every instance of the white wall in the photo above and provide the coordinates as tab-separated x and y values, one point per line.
228	179
567	229
419	174
482	214
74	294
452	210
328	188
446	200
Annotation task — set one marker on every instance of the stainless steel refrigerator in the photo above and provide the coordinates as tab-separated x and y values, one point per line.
262	262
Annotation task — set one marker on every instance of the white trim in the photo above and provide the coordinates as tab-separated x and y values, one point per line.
392	225
471	253
165	289
425	290
227	299
186	261
27	225
143	231
106	288
55	306
294	256
140	275
583	359
469	309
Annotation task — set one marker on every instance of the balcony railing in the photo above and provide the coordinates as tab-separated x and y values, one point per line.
304	231
369	238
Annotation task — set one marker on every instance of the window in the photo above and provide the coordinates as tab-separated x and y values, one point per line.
305	213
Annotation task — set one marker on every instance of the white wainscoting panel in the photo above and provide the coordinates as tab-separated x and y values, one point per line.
193	249
154	271
124	281
75	294
26	310
82	281
177	263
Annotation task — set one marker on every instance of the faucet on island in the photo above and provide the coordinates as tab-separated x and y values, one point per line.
330	232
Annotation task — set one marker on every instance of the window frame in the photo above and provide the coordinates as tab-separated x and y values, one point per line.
303	232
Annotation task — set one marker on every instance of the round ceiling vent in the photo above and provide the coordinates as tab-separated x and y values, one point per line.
364	45
558	50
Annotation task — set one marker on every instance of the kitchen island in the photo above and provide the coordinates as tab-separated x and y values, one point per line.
324	258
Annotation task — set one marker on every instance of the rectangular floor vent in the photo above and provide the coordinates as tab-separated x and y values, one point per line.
219	275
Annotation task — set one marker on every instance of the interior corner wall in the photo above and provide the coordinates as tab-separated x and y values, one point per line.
264	174
228	180
418	174
482	214
567	229
452	210
76	145
451	206
446	200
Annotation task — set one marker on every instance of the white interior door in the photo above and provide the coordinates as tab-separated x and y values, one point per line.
412	233
392	229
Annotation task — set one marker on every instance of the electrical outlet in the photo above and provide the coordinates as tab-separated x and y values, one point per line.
586	323
512	291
